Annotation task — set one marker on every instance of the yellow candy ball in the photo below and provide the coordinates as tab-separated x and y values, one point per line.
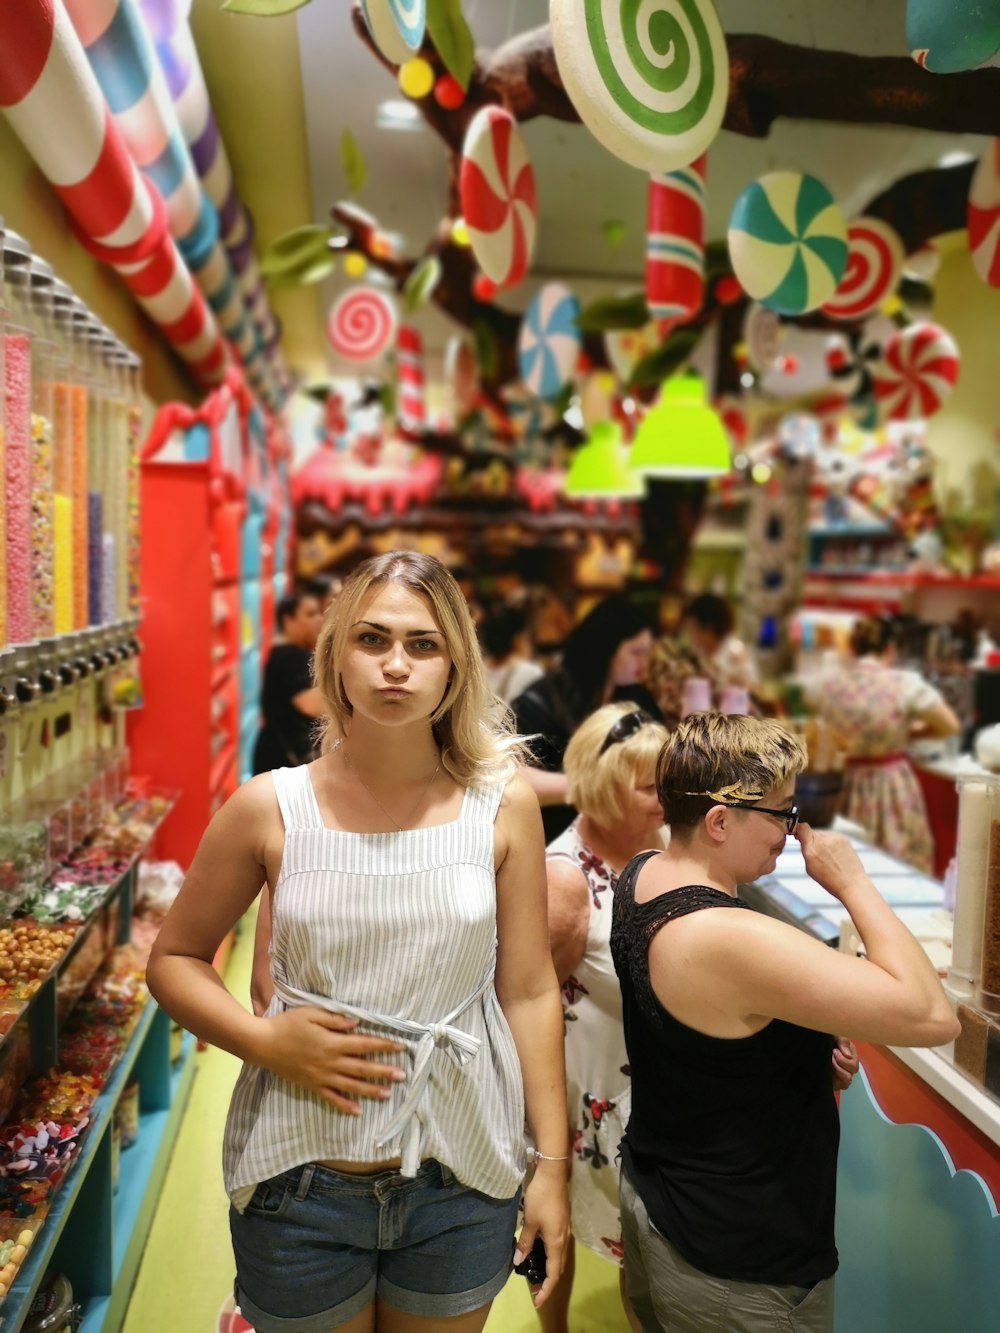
416	78
460	232
355	265
760	473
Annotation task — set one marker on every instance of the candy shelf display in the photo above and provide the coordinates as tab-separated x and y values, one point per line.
214	558
74	1008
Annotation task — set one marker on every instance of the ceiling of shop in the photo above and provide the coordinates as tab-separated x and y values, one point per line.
285	89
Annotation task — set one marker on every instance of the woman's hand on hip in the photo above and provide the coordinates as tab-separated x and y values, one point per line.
546	1214
321	1051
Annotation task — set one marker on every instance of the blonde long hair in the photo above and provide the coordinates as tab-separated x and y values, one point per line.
471	725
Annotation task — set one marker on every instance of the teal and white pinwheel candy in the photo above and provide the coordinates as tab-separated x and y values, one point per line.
788	242
549	342
397	26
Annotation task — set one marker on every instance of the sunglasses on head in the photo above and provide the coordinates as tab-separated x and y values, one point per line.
626	726
790	816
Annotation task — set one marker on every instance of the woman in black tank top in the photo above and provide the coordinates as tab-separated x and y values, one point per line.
730	1155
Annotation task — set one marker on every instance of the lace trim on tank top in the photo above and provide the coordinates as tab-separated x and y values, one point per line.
634	925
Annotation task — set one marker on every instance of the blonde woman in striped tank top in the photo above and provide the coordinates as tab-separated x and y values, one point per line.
374	1152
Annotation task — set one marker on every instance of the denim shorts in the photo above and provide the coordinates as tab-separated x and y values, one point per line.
315	1246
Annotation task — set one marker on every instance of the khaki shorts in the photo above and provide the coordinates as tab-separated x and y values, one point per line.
670	1296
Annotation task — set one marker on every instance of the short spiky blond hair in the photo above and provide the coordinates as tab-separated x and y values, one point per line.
715	758
599	782
472	726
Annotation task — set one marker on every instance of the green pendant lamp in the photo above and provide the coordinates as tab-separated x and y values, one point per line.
599	470
681	436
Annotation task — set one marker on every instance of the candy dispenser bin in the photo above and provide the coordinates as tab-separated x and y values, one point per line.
17	438
79	330
978	807
64	375
42	406
3	465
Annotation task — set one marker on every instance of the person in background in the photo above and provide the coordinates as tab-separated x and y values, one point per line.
374	1150
507	653
729	1161
290	704
610	768
876	708
708	625
604	659
549	623
326	587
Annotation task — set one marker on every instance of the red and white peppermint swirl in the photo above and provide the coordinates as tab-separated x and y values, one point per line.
361	324
917	372
874	266
497	188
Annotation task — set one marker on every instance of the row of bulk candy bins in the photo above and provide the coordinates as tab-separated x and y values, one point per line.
69	441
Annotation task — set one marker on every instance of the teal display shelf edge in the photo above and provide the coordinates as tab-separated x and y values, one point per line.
85	1173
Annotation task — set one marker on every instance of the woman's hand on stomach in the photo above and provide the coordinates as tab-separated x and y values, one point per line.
321	1052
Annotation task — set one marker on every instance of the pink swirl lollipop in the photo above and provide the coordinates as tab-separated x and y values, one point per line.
361	324
874	267
917	372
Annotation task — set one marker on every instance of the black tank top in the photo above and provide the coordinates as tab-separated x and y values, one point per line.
732	1143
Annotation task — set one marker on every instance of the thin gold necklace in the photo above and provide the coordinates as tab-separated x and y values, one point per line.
391	818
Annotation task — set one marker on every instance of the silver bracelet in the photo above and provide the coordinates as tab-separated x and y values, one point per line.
544	1157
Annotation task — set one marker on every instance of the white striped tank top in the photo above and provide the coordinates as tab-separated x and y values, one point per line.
397	930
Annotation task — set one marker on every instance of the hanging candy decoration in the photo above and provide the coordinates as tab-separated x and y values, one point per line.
829	410
762	336
411	405
355	264
396	26
361	324
549	340
983	215
649	81
497	188
917	372
461	373
54	104
448	93
874	267
675	242
625	348
415	78
483	288
800	435
732	413
788	242
946	38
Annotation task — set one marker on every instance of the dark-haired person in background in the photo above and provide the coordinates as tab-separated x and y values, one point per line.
876	708
604	660
507	653
289	701
708	624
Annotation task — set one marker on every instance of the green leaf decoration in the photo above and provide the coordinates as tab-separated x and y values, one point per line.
419	286
452	39
295	249
308	274
353	162
264	9
613	313
486	351
661	363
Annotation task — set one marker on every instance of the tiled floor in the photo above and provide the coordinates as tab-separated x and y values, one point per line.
187	1270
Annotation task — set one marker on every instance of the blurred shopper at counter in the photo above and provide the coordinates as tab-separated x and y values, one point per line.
289	701
604	660
729	1160
708	624
877	708
611	771
507	652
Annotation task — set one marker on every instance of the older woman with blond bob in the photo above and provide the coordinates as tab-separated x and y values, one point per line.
610	767
374	1151
729	1161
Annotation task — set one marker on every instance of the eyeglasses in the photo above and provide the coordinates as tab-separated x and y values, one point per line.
790	816
625	727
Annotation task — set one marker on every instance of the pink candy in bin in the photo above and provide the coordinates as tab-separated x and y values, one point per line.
734	699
